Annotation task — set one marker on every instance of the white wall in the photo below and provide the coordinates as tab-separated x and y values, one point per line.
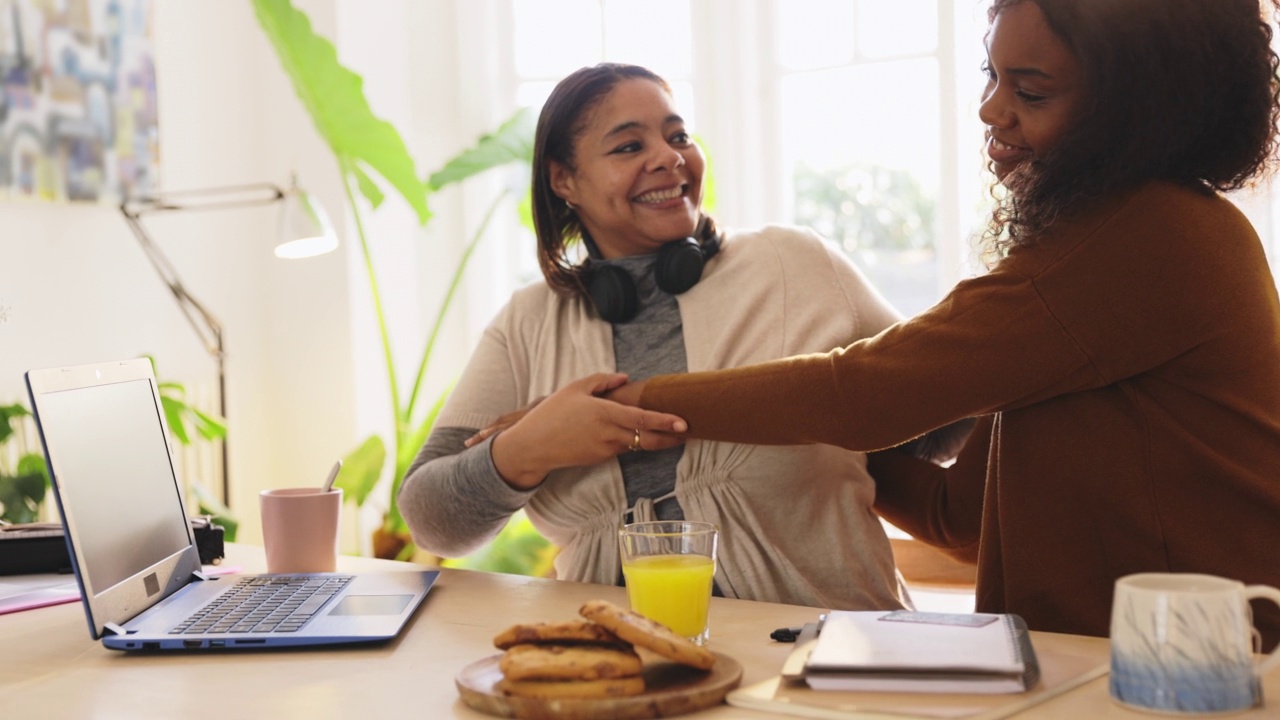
307	377
75	287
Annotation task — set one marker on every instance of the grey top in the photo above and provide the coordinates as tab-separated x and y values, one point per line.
652	343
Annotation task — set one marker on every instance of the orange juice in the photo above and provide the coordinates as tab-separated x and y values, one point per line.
674	590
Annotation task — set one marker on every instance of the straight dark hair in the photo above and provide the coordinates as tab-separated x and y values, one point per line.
561	122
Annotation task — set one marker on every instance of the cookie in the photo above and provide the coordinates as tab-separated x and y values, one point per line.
640	630
568	662
568	632
563	689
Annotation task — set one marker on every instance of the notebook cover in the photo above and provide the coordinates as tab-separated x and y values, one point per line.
923	652
1064	663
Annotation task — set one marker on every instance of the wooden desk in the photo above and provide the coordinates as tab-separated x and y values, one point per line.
49	667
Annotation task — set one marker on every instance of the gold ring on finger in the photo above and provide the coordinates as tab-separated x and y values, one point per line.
635	442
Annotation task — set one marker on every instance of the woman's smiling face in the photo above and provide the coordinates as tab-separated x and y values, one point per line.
637	180
1034	87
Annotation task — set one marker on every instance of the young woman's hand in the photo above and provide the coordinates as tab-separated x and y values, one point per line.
575	426
502	423
628	394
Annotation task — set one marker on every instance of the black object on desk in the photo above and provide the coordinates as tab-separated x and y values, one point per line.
786	634
32	548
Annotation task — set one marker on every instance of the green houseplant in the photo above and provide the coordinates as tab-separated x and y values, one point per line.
24	486
366	146
24	483
189	424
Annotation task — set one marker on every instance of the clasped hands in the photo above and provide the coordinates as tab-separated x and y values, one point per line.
585	422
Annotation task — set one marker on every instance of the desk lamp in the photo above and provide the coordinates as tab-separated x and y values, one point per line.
304	231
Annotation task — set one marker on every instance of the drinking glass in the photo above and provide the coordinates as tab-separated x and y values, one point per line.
668	567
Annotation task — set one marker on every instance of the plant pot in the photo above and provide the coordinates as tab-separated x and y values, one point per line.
388	545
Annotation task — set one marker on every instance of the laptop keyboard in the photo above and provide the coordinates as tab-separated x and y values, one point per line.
279	604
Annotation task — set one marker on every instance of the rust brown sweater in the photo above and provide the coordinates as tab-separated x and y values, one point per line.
1130	362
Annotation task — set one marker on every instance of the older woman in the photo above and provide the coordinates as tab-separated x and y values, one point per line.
660	291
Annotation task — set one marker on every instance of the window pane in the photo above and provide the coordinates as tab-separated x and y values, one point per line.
682	92
534	94
815	33
889	28
541	30
862	145
657	34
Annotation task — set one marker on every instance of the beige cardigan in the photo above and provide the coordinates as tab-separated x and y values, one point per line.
796	522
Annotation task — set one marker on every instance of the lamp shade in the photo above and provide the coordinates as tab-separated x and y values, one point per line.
305	229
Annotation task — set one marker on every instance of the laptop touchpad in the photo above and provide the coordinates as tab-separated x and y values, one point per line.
371	605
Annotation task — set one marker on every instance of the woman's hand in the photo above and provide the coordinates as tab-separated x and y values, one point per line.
575	426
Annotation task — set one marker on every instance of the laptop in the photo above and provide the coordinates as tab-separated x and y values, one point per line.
132	548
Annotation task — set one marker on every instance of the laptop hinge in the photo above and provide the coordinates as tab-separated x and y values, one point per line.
115	629
199	575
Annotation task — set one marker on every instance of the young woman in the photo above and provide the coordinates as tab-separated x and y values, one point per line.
660	291
1125	345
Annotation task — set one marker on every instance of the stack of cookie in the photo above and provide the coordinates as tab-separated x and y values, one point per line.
592	658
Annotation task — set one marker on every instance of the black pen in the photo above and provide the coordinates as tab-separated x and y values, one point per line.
786	635
792	634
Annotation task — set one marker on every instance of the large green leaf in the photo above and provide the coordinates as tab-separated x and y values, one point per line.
183	418
512	142
361	469
173	416
525	212
21	497
334	97
709	199
219	513
34	464
208	426
9	413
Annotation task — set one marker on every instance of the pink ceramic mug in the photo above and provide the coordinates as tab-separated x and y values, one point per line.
300	529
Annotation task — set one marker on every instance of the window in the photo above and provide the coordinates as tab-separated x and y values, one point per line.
859	91
837	114
857	117
602	31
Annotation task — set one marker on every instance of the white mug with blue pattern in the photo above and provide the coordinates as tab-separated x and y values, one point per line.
1184	643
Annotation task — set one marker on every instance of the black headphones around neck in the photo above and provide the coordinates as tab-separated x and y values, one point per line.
677	268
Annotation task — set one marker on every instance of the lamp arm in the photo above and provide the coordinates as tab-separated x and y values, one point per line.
207	199
207	327
205	324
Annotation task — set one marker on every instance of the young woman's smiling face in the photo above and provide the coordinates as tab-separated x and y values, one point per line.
1034	87
637	180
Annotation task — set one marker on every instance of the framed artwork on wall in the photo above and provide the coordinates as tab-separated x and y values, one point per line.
77	100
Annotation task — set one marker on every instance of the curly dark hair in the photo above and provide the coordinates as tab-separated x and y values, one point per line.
561	122
1183	91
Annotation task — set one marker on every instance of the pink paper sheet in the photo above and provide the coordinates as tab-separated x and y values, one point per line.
70	592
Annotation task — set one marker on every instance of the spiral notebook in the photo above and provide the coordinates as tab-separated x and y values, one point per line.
1065	663
904	651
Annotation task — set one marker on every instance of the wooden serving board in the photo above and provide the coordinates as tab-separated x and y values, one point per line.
670	689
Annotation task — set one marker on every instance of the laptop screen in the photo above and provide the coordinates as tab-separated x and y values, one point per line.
114	463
